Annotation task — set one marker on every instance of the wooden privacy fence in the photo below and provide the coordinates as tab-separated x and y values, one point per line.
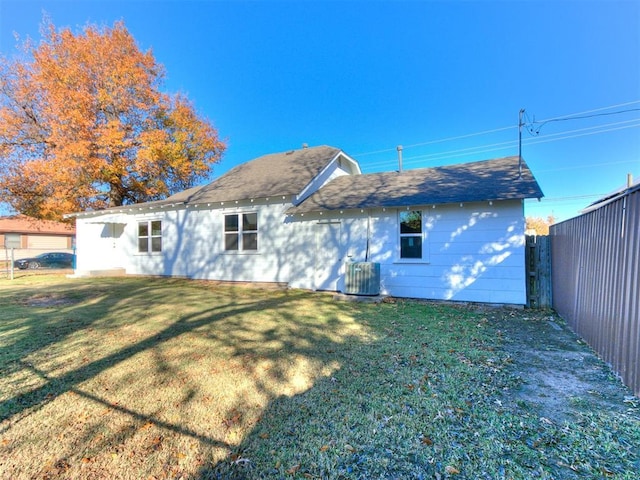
538	271
596	281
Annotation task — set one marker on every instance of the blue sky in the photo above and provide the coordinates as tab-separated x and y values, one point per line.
368	76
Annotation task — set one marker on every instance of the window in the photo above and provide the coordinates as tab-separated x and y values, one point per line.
150	236
241	232
411	234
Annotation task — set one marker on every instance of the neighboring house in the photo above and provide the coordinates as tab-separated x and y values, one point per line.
614	196
29	236
300	217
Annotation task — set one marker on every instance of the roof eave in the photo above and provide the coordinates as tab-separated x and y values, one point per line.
138	207
301	210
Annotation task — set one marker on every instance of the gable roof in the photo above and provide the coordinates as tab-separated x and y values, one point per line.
277	174
25	224
285	173
496	179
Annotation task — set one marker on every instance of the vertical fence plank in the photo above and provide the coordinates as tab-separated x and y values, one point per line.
596	281
538	271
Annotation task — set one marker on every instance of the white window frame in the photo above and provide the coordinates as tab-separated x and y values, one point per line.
424	252
241	233
151	247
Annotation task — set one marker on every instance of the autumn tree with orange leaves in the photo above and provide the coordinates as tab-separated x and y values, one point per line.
84	125
539	225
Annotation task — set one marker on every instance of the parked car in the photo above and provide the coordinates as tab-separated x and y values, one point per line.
46	260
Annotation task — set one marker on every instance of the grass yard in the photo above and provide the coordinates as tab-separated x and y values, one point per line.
138	378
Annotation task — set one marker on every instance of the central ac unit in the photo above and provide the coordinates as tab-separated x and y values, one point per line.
362	278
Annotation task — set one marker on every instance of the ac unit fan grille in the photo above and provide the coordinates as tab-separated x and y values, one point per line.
362	278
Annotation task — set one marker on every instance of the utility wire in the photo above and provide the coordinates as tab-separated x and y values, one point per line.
542	140
593	110
540	124
604	164
458	137
512	143
572	197
441	140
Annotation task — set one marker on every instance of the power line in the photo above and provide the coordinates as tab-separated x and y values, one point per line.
604	164
570	198
531	130
593	127
460	136
512	143
534	142
593	110
494	130
441	140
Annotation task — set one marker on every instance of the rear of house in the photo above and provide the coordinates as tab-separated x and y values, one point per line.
302	217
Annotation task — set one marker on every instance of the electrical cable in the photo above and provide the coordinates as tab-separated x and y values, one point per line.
542	124
593	110
457	137
441	140
513	143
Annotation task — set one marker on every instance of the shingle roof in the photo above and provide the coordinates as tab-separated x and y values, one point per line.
285	173
496	179
25	224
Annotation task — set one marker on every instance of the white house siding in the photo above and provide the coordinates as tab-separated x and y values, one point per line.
473	252
192	244
98	245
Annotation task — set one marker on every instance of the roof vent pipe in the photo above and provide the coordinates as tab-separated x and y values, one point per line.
399	148
629	180
305	145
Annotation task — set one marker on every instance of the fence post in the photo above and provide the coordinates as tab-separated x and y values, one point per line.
11	263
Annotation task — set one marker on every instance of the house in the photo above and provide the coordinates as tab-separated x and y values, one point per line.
615	195
301	217
29	236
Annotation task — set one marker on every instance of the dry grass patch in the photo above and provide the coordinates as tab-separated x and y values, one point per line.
164	378
152	377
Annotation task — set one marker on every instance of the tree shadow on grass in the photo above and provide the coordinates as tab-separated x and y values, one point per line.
340	426
272	341
47	328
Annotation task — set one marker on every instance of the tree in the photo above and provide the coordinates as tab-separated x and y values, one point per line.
84	125
539	225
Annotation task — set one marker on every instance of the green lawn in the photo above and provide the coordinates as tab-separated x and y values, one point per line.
165	378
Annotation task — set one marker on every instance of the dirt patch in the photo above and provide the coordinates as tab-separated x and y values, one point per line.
47	300
559	375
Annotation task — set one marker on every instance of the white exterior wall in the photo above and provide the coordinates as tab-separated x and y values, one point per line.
192	244
471	253
99	246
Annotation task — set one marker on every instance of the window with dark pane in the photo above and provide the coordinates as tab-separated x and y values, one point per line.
241	231
156	236
411	234
143	237
250	231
